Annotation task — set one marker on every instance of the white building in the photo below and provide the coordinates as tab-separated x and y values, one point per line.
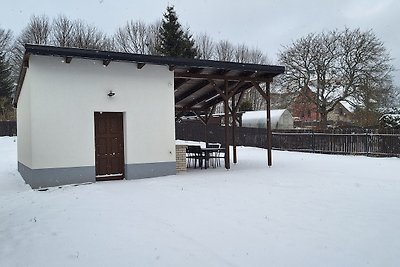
71	129
88	115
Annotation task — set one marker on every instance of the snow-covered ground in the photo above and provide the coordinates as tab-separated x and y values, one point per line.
307	210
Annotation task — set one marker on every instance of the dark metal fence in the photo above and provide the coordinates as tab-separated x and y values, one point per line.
8	128
354	141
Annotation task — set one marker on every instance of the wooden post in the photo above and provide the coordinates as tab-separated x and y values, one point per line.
269	130
234	129
206	119
205	122
267	96
226	111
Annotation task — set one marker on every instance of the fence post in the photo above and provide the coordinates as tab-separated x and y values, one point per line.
313	141
366	142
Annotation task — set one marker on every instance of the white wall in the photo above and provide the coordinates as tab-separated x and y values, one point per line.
65	96
24	124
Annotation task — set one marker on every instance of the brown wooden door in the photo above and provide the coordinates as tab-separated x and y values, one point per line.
109	142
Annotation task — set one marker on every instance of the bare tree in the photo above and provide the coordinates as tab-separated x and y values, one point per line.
334	67
6	79
375	100
396	98
62	31
205	46
37	31
109	44
6	37
225	51
364	64
258	57
88	36
154	29
134	37
242	53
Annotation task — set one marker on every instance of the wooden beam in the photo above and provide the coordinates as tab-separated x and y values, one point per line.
210	97
198	115
68	59
179	82
198	100
25	63
216	87
194	89
212	102
234	89
106	62
212	110
269	130
226	111
140	65
239	101
207	118
234	129
179	114
218	100
221	77
260	90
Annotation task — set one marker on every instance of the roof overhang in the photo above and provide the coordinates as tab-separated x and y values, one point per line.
197	83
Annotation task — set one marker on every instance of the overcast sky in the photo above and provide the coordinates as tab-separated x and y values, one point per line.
266	24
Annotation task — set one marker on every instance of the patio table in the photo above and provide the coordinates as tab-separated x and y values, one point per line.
209	150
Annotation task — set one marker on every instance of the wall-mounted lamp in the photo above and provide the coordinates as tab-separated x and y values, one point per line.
111	93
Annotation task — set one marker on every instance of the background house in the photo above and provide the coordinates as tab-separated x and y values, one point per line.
305	112
342	115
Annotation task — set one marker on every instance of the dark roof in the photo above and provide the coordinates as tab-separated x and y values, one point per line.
195	80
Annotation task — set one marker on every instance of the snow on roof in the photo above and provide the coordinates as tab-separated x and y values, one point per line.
337	92
349	107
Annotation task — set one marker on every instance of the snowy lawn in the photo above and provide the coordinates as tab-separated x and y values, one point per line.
307	210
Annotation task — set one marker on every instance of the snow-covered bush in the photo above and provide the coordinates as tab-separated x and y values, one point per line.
390	121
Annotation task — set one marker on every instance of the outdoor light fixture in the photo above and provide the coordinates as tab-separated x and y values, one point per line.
111	93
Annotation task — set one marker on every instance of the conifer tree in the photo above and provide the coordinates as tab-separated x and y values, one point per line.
6	83
173	40
6	89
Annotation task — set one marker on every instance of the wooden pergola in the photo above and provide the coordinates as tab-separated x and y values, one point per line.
199	85
203	84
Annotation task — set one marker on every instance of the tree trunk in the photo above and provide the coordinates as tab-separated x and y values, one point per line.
323	123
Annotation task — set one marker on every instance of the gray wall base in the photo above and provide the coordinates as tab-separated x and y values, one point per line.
148	170
38	178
